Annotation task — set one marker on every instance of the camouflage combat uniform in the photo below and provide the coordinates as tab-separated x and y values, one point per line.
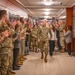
27	40
20	51
5	50
44	40
12	47
34	37
62	39
22	27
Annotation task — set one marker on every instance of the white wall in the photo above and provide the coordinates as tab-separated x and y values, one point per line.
13	9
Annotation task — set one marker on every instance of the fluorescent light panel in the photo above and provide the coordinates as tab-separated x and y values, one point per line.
50	2
47	9
47	13
46	17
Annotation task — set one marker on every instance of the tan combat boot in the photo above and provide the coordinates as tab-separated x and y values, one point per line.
22	59
62	51
11	73
45	60
20	63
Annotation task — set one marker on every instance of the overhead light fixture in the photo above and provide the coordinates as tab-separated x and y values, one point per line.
46	17
62	17
46	13
47	9
50	2
47	2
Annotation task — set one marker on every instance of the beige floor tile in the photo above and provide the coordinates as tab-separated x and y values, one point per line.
59	64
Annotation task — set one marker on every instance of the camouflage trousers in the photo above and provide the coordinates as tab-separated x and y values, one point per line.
19	55
44	45
34	44
4	64
22	47
5	60
11	60
62	42
21	50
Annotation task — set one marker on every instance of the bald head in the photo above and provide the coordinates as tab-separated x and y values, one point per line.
37	23
60	21
44	21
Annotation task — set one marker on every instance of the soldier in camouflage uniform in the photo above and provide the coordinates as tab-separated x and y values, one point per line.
44	39
62	39
23	31
12	47
34	37
20	52
27	39
5	44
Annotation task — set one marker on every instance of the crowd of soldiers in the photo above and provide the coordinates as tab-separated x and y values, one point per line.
18	37
12	43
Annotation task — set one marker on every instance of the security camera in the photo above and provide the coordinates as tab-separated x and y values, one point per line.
61	3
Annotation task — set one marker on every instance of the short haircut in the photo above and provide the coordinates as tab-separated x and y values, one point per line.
21	18
70	27
16	26
2	13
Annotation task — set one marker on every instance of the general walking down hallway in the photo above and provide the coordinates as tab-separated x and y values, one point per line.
59	64
37	37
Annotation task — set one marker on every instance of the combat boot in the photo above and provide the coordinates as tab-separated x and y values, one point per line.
45	60
62	51
20	63
22	59
10	73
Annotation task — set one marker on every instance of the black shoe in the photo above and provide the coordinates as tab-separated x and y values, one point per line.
16	68
25	54
28	54
51	54
36	51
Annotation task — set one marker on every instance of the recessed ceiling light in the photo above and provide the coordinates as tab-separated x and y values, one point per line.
47	3
50	2
62	17
47	9
46	13
46	16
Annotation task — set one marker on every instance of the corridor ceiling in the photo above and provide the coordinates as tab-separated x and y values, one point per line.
46	8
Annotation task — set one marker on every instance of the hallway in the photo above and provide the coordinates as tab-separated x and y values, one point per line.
59	64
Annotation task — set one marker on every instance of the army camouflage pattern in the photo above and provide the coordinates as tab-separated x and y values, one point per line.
62	38
3	27
22	27
34	39
44	39
22	41
11	49
5	50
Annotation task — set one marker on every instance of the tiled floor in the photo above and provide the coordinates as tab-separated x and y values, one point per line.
59	64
